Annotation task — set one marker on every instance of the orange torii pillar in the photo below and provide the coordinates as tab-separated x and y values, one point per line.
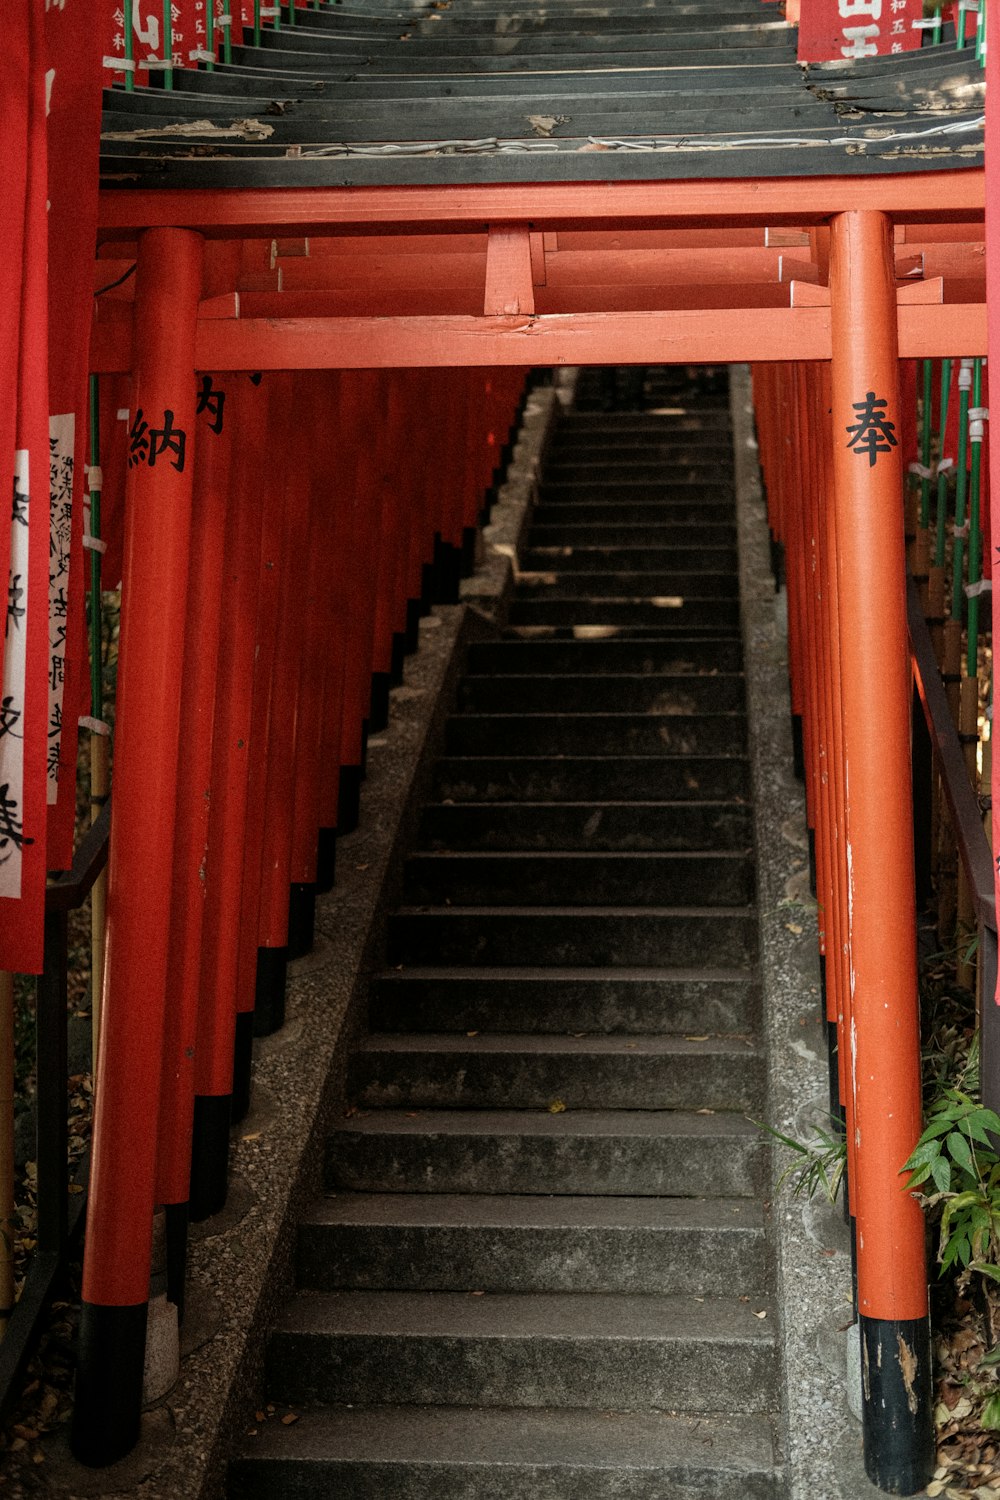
116	1263
883	1051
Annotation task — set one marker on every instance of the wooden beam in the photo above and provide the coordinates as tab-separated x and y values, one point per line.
912	198
510	283
678	337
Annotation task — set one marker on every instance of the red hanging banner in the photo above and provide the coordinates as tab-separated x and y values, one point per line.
850	30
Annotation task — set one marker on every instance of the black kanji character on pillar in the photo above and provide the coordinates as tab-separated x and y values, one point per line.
15	609
872	433
10	717
19	513
212	401
11	828
167	439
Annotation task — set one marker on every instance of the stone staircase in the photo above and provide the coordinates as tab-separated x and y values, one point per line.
540	1269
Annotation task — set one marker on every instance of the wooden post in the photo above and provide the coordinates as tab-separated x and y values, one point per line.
884	1102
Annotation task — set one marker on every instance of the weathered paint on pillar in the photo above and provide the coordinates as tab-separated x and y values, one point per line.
884	1101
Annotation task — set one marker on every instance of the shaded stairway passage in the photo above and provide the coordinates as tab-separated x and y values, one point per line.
540	1268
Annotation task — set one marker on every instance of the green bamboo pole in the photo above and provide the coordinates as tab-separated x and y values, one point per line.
942	478
981	34
227	38
975	535
961	485
210	33
960	27
256	23
936	28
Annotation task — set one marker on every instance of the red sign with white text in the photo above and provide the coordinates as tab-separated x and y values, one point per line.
852	30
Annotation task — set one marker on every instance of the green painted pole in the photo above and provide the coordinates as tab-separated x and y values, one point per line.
942	478
227	38
256	23
129	48
168	45
210	33
925	445
961	486
976	432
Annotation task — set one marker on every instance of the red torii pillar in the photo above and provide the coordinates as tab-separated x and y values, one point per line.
883	1062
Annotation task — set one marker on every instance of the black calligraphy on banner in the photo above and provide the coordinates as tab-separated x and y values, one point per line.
12	690
62	436
872	433
212	401
146	444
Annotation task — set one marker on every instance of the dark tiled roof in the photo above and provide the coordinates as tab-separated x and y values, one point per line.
478	91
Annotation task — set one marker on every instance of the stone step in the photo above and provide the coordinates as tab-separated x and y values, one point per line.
639	692
613	531
618	471
465	1242
641	778
667	657
662	613
598	427
689	556
595	734
667	443
551	583
496	1071
619	1153
579	878
577	935
559	1000
604	504
444	1453
586	825
628	1353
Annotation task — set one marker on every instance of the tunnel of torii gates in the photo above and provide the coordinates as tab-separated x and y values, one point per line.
375	352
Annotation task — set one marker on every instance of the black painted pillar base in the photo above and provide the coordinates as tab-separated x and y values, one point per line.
798	748
897	1413
242	1066
210	1155
397	658
269	991
365	727
176	1215
448	571
378	717
109	1365
428	584
414	610
349	799
326	860
301	919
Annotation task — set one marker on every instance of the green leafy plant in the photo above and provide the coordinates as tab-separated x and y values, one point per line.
820	1162
957	1156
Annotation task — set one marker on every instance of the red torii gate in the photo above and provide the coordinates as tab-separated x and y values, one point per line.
862	323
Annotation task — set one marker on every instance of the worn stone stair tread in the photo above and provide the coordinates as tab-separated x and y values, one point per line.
568	826
527	779
609	1124
501	1043
456	1453
546	914
578	974
524	1243
611	1316
669	656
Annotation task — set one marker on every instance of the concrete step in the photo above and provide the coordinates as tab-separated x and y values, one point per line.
628	1353
496	1071
582	559
620	1153
614	531
595	734
586	825
662	613
540	778
617	470
640	692
667	657
605	504
443	1453
553	584
465	1242
577	935
579	878
560	1000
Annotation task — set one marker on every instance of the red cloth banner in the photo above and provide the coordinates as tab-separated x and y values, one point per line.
838	30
